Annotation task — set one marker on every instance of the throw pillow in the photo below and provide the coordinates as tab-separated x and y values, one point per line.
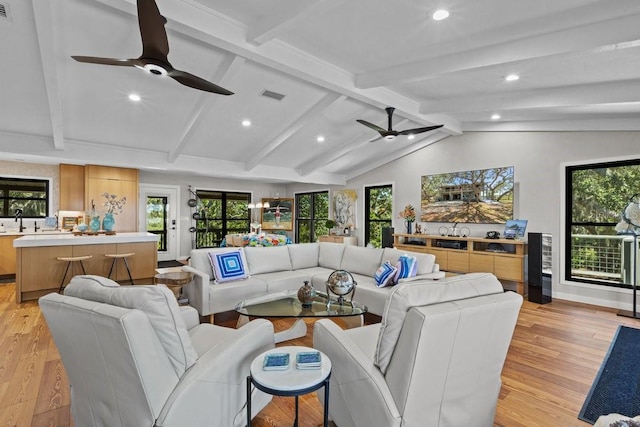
228	266
407	266
384	274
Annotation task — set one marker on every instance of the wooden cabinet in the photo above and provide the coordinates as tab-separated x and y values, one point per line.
502	257
119	181
72	187
347	240
7	255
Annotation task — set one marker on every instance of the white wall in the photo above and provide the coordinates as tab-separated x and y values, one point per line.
538	159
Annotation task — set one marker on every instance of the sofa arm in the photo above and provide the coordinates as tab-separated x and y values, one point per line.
190	316
198	290
213	391
357	385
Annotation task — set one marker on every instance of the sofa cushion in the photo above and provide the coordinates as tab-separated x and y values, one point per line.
416	294
157	302
267	259
385	274
330	255
405	267
304	255
229	265
361	260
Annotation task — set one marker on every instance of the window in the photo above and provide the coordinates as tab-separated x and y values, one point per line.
596	196
378	213
30	195
312	212
219	213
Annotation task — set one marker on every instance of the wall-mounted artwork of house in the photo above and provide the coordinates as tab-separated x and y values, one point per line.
481	196
279	214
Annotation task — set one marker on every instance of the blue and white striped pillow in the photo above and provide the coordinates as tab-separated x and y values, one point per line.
407	266
384	274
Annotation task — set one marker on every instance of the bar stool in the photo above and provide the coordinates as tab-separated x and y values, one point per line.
122	257
69	260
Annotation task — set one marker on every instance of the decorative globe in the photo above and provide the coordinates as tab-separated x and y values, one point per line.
341	283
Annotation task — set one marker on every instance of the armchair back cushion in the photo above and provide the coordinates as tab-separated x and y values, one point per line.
157	302
267	259
361	260
304	255
415	294
330	255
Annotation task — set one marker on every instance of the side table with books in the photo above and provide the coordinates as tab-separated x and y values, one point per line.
290	371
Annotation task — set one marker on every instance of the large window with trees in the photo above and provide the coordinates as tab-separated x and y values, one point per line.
312	212
595	198
219	213
378	213
30	195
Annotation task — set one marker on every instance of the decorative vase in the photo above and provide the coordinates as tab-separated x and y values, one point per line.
409	223
306	294
108	222
94	224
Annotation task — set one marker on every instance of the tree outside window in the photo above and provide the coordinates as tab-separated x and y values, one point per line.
378	213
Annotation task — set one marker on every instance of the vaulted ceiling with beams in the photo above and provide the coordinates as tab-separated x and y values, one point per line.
330	61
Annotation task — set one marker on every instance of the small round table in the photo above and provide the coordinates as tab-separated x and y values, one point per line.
174	280
290	381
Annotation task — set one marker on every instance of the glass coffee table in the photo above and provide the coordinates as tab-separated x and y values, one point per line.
286	304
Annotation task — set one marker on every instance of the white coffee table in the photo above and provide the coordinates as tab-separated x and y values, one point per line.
290	381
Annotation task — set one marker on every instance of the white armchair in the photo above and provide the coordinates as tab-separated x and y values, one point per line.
135	358
434	361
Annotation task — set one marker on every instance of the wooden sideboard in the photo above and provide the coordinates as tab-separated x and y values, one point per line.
347	240
503	257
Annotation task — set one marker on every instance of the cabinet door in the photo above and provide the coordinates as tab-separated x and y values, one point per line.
127	220
71	188
479	263
40	268
7	255
142	265
98	264
509	268
441	257
458	261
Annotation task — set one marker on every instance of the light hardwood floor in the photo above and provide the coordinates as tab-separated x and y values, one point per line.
554	356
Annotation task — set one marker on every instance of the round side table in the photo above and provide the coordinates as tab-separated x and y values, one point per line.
174	280
290	381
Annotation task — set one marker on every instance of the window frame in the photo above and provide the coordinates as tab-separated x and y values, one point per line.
367	212
312	220
47	200
202	194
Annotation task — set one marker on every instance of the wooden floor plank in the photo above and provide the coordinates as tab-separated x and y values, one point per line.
554	356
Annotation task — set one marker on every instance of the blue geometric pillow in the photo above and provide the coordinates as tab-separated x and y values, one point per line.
228	266
384	274
407	266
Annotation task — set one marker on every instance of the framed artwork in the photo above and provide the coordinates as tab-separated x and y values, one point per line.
344	208
481	196
279	214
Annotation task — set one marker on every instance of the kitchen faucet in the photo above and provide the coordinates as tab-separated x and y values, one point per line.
19	215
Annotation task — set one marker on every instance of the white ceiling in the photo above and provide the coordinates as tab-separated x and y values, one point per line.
334	60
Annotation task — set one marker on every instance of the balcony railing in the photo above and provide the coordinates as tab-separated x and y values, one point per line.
605	259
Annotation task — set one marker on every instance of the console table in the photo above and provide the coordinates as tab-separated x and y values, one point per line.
503	257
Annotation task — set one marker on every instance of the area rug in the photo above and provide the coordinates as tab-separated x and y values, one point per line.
617	385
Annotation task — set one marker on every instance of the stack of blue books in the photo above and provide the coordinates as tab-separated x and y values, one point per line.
308	360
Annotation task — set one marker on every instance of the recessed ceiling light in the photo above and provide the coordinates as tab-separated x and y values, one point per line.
512	77
495	117
411	136
246	123
320	138
134	97
440	14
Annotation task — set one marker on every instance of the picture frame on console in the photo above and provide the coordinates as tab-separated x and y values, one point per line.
279	214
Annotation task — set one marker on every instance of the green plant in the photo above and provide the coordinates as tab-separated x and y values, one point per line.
330	223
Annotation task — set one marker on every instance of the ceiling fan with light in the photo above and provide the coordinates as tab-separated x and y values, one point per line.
390	134
155	49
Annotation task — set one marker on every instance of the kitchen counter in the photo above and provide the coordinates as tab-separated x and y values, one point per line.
64	239
39	272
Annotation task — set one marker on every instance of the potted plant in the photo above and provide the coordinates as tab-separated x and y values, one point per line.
330	224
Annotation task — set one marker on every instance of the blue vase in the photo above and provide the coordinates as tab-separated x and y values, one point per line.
94	224
409	224
108	222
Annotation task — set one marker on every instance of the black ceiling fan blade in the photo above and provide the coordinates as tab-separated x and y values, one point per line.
419	130
106	61
196	82
154	36
371	125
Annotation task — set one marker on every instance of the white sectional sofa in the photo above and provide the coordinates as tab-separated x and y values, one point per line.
278	268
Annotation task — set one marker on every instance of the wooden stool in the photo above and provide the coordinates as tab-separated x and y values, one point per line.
69	260
122	257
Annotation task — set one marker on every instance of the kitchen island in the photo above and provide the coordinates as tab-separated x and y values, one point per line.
39	272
